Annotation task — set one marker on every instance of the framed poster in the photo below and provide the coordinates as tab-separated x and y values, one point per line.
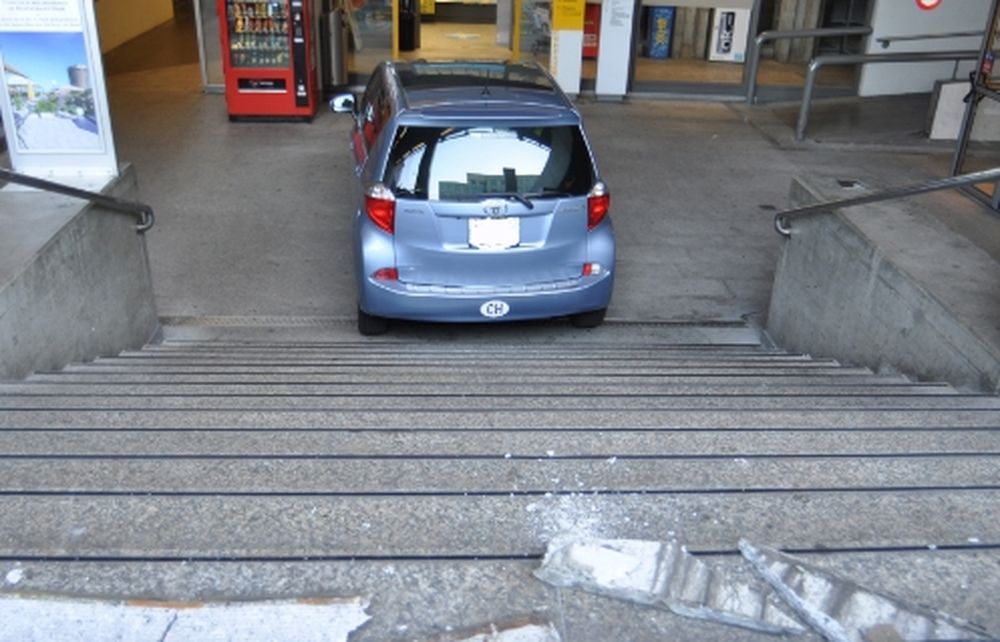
661	32
729	34
53	99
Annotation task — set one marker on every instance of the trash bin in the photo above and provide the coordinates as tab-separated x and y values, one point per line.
409	25
335	52
407	30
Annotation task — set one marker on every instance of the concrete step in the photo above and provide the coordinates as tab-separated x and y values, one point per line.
284	329
466	594
390	372
571	399
185	455
458	476
181	527
456	387
601	445
833	604
470	361
415	349
447	377
469	593
543	417
474	356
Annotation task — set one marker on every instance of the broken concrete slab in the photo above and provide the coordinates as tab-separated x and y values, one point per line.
664	575
842	611
59	619
526	629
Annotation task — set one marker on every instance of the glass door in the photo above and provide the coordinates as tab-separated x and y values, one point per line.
213	78
973	149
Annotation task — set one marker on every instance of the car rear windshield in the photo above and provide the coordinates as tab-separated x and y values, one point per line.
468	163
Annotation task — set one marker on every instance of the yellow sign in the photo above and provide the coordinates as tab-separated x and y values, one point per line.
567	15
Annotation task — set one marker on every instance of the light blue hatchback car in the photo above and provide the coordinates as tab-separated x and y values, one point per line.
477	198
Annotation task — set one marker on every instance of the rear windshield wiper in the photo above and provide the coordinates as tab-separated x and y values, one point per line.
514	196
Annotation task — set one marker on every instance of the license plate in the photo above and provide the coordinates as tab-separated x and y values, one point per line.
494	233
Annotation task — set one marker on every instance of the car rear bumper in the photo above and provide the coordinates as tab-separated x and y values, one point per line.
397	300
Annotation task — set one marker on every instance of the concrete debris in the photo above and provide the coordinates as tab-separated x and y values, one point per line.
529	629
664	575
58	619
843	611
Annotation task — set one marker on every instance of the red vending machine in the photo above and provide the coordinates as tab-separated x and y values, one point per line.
269	58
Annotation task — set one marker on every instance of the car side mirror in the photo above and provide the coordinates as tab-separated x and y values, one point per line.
342	104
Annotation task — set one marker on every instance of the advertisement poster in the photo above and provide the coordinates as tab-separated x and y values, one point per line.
729	34
567	15
536	27
54	101
591	30
661	29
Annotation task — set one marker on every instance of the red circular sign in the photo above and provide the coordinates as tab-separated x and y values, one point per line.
927	5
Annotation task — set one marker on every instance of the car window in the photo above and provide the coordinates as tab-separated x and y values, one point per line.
462	163
375	111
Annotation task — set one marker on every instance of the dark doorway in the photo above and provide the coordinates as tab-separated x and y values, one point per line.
183	7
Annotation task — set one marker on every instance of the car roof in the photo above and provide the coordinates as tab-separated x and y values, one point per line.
479	89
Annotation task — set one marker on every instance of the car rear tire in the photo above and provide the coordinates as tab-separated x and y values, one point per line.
590	319
370	325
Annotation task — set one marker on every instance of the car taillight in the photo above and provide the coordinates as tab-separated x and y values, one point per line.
598	204
380	204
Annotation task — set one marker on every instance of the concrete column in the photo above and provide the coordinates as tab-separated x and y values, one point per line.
684	32
505	22
615	51
809	17
691	29
796	14
566	53
703	25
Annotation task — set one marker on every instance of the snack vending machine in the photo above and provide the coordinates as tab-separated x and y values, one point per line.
269	54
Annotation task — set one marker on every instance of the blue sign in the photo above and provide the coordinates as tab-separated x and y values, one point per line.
661	29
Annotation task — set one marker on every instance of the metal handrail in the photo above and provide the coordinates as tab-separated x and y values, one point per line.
143	211
885	41
753	63
854	59
782	220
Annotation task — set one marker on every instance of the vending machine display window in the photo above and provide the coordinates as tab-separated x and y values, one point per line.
258	34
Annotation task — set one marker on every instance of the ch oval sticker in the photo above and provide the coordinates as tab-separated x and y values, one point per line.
494	309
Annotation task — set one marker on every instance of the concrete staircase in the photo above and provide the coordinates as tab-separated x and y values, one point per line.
431	472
